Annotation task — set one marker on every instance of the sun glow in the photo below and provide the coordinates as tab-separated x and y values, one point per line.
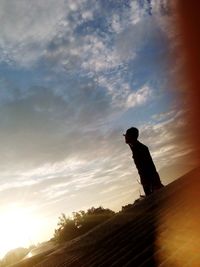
18	226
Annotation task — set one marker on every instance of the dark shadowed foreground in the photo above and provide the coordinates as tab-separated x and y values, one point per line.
161	230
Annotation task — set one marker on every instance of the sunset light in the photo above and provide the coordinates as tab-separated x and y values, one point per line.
17	228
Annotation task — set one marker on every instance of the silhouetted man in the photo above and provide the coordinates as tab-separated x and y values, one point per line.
149	177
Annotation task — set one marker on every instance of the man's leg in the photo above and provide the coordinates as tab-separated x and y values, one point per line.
156	182
147	189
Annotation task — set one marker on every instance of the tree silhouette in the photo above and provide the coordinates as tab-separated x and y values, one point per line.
80	223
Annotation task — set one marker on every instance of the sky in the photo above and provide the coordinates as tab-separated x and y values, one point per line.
74	75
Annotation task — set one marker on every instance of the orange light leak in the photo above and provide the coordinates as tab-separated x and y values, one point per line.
178	231
188	26
178	237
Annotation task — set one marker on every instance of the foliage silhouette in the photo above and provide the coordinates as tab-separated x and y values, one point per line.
80	223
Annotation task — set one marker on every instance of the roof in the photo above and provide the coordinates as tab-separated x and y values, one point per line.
160	230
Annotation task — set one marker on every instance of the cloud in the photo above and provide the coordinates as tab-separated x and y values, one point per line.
100	43
97	160
33	128
41	124
27	28
169	138
139	97
69	33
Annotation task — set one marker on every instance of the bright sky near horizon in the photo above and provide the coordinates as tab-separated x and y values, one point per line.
74	75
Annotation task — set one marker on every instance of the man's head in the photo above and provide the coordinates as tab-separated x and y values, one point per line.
131	135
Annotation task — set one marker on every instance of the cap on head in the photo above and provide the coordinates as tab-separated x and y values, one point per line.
131	135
